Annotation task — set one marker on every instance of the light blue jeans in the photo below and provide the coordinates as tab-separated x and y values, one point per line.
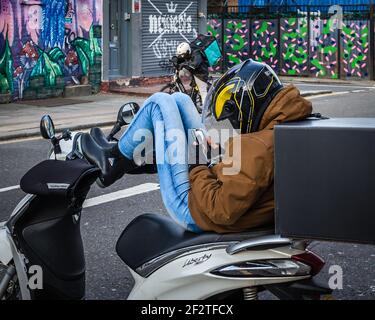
160	114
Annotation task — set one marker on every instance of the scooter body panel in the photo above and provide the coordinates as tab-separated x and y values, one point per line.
189	276
6	254
5	249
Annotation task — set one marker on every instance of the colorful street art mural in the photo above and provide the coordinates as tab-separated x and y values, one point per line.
307	48
214	28
324	49
265	43
47	44
355	39
294	46
236	42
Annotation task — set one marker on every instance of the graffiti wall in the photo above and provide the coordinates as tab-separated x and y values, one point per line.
297	46
265	42
355	45
47	44
165	24
294	46
236	39
214	28
324	49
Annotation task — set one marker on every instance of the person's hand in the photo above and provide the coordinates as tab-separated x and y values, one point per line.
211	143
197	156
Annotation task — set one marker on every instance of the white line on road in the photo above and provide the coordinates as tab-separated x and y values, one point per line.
328	95
126	193
113	196
9	189
357	91
328	85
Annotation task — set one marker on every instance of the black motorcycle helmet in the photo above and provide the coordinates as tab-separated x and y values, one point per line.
240	97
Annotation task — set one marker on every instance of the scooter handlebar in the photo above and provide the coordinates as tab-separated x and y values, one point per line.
115	129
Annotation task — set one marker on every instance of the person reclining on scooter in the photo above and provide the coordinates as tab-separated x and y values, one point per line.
196	63
248	99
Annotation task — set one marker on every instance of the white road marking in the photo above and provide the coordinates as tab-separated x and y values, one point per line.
328	95
126	193
356	91
9	188
328	85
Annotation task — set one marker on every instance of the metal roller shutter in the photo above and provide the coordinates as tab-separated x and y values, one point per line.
164	25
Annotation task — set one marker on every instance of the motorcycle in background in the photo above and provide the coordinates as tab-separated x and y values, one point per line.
176	85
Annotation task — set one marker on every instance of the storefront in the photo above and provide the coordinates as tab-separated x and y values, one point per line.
143	35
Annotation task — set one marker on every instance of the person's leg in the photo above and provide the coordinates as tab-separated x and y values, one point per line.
190	117
202	86
161	116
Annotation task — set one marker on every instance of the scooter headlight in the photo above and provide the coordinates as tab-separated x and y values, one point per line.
268	268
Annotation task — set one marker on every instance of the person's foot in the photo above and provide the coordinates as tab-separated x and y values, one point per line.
108	159
145	168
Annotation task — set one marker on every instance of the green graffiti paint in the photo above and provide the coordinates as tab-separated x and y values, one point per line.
48	67
263	28
6	70
323	58
236	39
87	51
307	48
355	43
294	48
264	42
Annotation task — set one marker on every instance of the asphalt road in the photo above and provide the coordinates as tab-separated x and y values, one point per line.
109	278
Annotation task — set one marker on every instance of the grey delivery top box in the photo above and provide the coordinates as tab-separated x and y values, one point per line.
325	179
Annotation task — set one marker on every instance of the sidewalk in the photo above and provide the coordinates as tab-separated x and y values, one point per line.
139	91
21	120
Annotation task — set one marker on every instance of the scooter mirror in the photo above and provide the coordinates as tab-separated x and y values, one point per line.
47	128
127	113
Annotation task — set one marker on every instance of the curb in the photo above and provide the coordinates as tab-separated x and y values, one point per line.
36	133
132	93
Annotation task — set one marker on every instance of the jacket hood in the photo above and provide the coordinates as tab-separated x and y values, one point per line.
288	105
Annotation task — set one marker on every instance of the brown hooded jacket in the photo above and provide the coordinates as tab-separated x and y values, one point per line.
233	203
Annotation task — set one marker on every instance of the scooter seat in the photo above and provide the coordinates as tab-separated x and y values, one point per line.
152	235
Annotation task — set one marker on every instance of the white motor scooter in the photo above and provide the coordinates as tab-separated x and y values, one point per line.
166	261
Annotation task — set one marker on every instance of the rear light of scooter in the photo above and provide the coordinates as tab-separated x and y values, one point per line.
311	259
264	268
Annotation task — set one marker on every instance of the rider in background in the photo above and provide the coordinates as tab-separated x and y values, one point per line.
195	62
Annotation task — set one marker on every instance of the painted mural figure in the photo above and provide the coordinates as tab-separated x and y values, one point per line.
46	44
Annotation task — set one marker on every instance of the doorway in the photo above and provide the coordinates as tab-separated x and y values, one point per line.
115	10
